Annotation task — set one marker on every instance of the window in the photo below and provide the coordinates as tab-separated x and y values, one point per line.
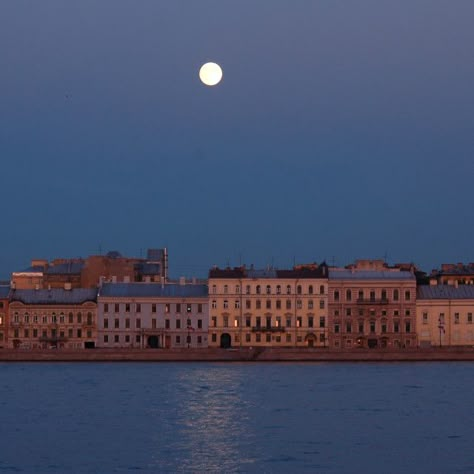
258	321
361	327
321	304
116	308
384	295
153	323
425	318
322	322
178	324
288	289
407	312
299	321
288	321
258	289
348	327
407	295
214	304
247	337
167	323
79	318
89	318
360	295
396	326
407	326
268	322
288	337
372	295
106	338
139	308
189	307
153	308
348	295
214	321
178	339
137	339
268	290
288	304
336	295
469	318
226	304
268	337
278	322
167	307
35	332
322	290
258	337
127	338
199	323
226	321
310	321
178	307
26	318
138	323
79	333
310	289
127	323
258	304
54	319
396	295
372	327
226	289
247	304
310	304
214	289
268	304
247	290
116	323
278	290
199	307
299	304
199	339
384	327
236	322
116	338
456	318
336	328
236	304
237	289
298	290
214	337
348	312
247	321
278	304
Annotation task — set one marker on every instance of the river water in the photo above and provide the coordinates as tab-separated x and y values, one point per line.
248	417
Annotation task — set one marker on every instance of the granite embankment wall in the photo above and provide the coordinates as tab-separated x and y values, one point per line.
236	355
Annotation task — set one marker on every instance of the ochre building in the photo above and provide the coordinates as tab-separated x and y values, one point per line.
55	318
282	308
445	315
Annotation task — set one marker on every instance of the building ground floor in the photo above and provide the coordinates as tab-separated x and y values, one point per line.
372	341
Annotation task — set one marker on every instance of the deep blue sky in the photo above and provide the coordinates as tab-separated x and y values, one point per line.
340	129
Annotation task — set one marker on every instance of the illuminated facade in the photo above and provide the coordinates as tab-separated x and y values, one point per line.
280	308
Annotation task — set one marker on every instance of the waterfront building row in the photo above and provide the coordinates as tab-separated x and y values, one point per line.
365	305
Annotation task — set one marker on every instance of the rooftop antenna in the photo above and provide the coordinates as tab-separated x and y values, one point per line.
333	260
100	248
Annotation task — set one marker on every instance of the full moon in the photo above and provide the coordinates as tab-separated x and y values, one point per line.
210	74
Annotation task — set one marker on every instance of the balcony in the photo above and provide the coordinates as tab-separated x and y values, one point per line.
372	301
268	329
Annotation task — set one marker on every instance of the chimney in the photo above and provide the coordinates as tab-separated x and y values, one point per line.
37	287
67	286
456	284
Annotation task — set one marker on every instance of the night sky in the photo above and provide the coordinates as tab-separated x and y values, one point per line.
341	130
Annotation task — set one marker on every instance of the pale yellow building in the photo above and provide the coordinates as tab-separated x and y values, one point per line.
445	315
282	308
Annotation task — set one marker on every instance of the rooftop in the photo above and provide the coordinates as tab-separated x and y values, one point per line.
445	292
70	268
137	290
343	274
299	271
55	296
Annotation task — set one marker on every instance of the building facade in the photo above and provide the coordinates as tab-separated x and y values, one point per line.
152	315
282	308
445	315
55	318
4	303
372	306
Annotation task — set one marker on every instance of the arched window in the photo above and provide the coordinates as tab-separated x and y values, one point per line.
322	290
89	318
258	289
278	290
336	295
237	289
288	289
384	294
214	289
269	290
348	295
298	289
79	318
247	290
310	289
396	295
71	318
